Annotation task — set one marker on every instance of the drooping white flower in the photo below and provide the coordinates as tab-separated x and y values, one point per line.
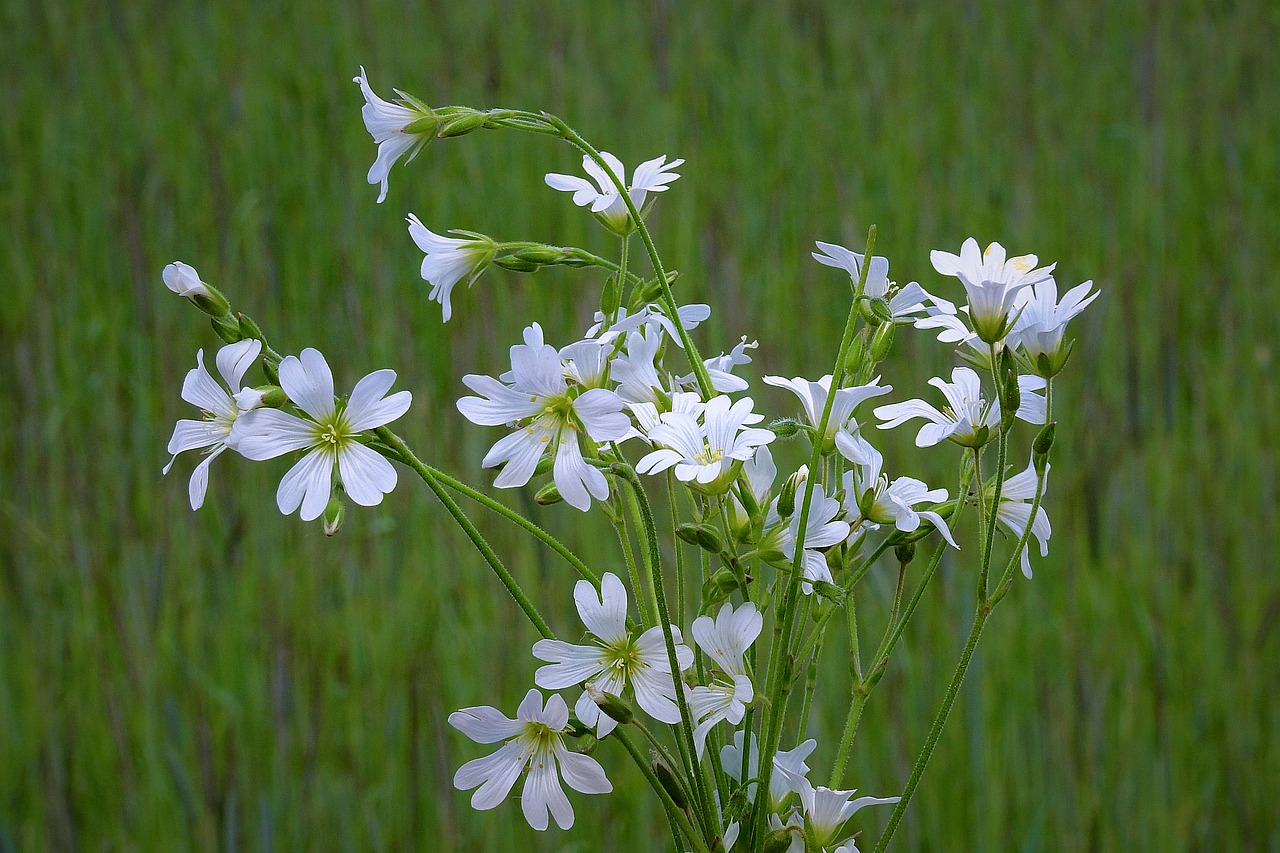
534	741
1043	320
842	432
969	420
548	415
991	282
183	280
780	786
822	530
330	435
398	129
604	199
826	810
833	255
449	260
1016	496
705	452
725	639
615	661
218	402
873	499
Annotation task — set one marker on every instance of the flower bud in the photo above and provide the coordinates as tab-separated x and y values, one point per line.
882	341
718	588
333	515
610	704
611	299
542	255
515	264
587	743
1010	393
248	328
183	280
548	495
787	496
905	553
778	841
702	535
1042	445
670	784
784	427
271	370
461	122
227	328
853	359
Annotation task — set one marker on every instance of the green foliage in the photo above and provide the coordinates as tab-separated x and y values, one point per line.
234	680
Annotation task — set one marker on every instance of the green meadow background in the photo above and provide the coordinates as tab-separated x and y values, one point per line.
233	680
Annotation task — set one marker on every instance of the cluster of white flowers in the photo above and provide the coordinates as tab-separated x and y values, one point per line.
629	400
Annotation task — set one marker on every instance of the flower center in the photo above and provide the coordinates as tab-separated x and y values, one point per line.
540	738
709	455
334	432
622	657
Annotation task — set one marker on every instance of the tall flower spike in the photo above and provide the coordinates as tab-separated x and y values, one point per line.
603	198
615	661
548	416
449	260
534	741
220	410
725	640
398	129
330	435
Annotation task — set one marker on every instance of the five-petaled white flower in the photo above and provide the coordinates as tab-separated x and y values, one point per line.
872	498
615	661
991	282
548	414
396	128
706	453
449	260
1014	511
725	639
534	740
1043	320
826	810
903	302
779	785
608	328
219	406
968	420
822	530
330	434
842	431
604	199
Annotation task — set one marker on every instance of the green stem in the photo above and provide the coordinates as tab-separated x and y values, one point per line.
396	443
674	813
624	538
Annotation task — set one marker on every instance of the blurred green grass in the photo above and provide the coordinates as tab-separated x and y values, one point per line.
232	680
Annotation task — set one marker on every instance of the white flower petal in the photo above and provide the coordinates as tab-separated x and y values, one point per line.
307	485
308	382
366	474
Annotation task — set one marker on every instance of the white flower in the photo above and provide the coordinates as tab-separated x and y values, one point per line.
779	785
720	369
842	431
851	262
534	740
991	283
873	498
760	471
449	260
968	420
603	198
548	415
1014	511
826	810
725	640
822	530
615	661
1043	320
635	370
183	280
705	453
396	128
330	435
219	406
648	316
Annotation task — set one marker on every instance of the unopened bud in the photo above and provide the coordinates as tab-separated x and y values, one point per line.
718	588
333	515
460	123
702	535
271	371
670	784
882	341
587	743
265	397
787	497
611	705
880	310
784	427
778	841
853	359
183	280
248	328
905	553
548	495
1010	392
227	328
543	255
1042	445
612	297
515	264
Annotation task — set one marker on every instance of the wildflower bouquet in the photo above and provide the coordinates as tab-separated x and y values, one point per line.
692	667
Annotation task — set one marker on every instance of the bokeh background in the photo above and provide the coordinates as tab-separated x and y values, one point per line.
233	680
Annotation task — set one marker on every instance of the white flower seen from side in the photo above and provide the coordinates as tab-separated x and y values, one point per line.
330	435
872	498
842	432
548	415
221	410
449	260
969	420
822	530
1043	320
603	197
183	280
780	786
615	661
534	741
991	281
725	640
398	129
1016	496
826	810
649	316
